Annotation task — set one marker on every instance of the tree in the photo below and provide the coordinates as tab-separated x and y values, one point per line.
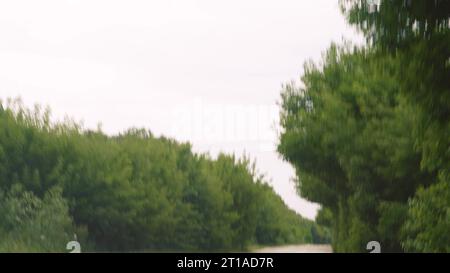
417	34
348	132
31	224
132	191
428	222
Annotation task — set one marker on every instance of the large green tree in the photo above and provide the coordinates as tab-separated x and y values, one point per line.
349	133
417	34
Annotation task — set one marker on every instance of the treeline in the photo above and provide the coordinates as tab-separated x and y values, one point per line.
369	130
131	192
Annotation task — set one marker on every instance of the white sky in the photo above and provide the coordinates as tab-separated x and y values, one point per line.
207	71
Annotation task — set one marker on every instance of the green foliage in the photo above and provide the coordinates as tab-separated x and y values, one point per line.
426	229
130	192
397	24
368	131
350	135
31	224
417	33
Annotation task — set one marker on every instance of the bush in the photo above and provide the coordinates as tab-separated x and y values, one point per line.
428	223
31	224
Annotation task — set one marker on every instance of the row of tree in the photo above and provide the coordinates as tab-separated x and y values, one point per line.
368	132
131	192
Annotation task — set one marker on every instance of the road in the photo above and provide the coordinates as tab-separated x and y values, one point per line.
296	249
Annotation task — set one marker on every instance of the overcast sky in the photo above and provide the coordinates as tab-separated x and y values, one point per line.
207	71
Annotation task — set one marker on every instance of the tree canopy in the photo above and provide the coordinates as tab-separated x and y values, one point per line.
368	129
129	192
